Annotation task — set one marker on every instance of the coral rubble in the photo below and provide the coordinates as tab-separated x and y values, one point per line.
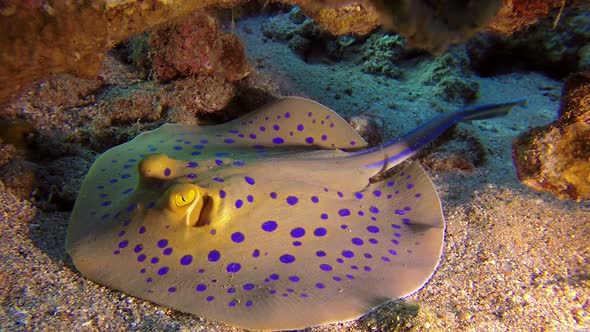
556	158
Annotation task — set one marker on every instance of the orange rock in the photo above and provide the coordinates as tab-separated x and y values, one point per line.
556	158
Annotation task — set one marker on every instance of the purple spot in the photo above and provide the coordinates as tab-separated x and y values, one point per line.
167	252
367	268
167	172
326	267
262	128
186	260
250	198
377	193
273	195
287	115
252	136
116	252
297	232
210	298
154	260
357	242
237	237
287	259
344	212
249	180
249	303
324	216
239	203
320	231
292	200
106	203
278	140
192	176
274	276
176	147
269	226
123	244
201	288
297	243
214	256
163	270
373	229
141	258
410	186
309	140
393	252
138	248
276	127
213	231
300	127
219	162
406	221
233	267
148	280
314	199
418	195
249	287
373	241
218	179
229	141
340	194
319	285
344	226
385	259
320	253
256	253
239	163
347	253
222	194
367	255
162	243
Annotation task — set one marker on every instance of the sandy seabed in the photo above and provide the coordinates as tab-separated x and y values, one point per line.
514	259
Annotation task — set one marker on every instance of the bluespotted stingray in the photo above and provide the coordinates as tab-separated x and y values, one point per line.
271	221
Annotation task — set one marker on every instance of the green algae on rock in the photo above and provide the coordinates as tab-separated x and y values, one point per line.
556	158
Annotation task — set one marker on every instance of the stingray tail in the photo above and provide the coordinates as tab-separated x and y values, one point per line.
394	152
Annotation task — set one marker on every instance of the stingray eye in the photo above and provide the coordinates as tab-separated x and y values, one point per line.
185	198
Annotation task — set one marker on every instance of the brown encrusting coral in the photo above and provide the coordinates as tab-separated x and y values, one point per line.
556	158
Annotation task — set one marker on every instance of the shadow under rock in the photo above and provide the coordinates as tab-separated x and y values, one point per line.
48	233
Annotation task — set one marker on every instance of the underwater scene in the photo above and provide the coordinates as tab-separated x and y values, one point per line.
303	165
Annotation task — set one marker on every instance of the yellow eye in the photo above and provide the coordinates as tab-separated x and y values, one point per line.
185	198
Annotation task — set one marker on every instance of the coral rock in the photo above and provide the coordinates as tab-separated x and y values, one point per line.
556	158
196	46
